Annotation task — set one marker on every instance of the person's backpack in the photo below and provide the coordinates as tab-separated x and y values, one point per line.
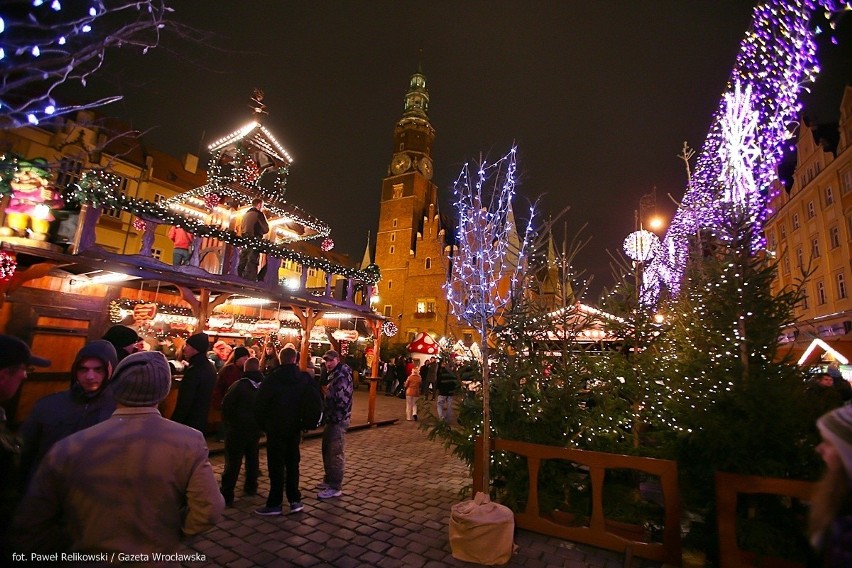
310	412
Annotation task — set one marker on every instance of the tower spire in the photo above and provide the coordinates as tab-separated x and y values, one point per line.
367	260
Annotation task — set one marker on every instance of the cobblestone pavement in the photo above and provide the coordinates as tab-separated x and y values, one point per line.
394	511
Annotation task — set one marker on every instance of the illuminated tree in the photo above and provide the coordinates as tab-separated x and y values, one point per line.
46	45
487	269
777	58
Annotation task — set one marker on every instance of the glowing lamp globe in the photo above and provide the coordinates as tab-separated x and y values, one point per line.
641	245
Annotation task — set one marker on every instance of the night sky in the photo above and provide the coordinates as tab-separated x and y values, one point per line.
598	96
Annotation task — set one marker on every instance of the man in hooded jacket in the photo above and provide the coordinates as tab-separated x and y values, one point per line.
87	402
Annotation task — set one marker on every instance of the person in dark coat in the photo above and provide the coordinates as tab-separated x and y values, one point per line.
242	434
87	402
279	399
389	378
196	387
124	339
447	385
255	225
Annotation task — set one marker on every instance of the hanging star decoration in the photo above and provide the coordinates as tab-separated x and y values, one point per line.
8	265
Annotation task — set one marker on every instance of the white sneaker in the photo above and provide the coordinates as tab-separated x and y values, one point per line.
329	493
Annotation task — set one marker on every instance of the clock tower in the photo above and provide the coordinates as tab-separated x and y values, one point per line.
411	248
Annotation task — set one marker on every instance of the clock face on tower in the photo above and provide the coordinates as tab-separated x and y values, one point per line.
400	163
426	167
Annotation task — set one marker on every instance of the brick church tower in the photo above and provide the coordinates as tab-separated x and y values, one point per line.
413	245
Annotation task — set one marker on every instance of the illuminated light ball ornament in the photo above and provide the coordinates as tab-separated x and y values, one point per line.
641	246
138	224
8	265
327	244
211	200
389	329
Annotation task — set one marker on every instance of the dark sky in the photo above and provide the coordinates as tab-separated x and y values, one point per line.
599	96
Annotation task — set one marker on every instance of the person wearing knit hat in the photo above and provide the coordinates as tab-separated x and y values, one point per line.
124	339
830	523
229	374
196	388
137	462
88	401
143	379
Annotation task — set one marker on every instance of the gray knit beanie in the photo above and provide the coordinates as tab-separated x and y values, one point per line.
836	427
142	379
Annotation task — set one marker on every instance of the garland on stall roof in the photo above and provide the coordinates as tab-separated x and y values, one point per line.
119	304
97	189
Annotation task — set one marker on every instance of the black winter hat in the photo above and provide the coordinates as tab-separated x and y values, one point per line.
200	342
121	336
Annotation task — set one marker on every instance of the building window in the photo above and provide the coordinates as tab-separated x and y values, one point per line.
388	311
393	237
397	190
428	263
426	306
312	271
122	188
298	269
786	264
392	249
156	253
70	172
800	257
820	290
412	333
834	236
159	199
771	241
829	196
815	247
394	222
795	221
390	284
782	230
811	210
467	337
846	181
841	286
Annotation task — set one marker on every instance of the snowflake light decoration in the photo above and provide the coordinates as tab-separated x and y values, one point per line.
389	329
138	224
749	130
327	244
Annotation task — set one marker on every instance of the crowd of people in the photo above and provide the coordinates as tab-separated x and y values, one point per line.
97	467
433	379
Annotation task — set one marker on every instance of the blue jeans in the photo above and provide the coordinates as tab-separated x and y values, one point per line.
180	257
333	458
445	408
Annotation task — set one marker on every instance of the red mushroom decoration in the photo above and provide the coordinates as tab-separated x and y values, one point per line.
423	347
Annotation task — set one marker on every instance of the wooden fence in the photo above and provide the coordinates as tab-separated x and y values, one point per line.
600	532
